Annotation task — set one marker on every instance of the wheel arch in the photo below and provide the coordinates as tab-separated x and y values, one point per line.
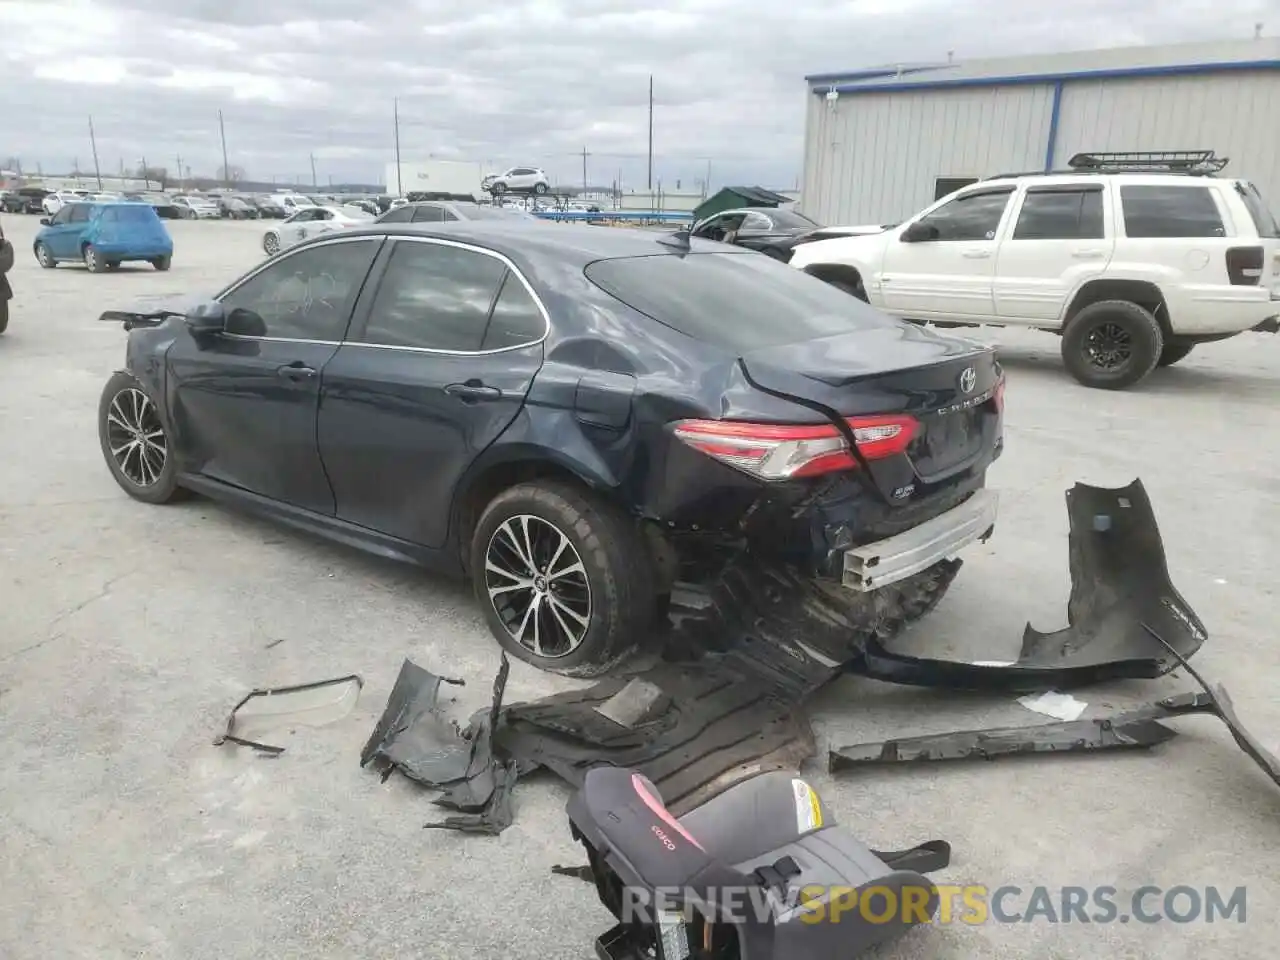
1145	293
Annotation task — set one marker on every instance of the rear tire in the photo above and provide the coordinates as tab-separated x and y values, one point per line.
1112	344
1173	352
539	188
162	263
135	442
614	590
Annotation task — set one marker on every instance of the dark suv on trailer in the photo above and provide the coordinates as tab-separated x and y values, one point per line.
570	415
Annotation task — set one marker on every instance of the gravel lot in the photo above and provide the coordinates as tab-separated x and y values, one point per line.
131	630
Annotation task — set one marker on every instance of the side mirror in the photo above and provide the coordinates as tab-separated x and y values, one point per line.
920	232
245	323
206	319
44	221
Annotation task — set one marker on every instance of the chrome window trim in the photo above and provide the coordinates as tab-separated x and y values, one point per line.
515	271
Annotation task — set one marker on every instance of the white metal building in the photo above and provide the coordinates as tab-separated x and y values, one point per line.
881	144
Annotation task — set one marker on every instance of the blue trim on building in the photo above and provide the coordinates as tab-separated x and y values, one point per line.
1055	115
1029	79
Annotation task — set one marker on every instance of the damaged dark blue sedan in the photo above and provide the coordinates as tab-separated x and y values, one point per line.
576	418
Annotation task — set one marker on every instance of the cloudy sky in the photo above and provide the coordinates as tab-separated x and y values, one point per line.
499	81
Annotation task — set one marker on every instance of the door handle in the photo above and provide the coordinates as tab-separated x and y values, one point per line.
1088	254
295	371
473	391
976	254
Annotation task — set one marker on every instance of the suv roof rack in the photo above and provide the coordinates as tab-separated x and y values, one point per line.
1192	163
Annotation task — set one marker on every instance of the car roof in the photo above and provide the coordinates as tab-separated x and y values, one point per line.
579	244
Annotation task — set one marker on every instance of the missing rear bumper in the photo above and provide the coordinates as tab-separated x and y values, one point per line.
1269	325
876	565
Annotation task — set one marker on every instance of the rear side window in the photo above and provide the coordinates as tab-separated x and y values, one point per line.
1174	211
516	319
1263	219
398	215
434	297
1060	215
740	302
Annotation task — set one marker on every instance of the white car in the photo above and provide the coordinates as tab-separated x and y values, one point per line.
1132	268
197	208
518	180
310	222
291	203
57	200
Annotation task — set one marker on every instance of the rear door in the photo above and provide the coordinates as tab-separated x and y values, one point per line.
953	274
1059	240
440	357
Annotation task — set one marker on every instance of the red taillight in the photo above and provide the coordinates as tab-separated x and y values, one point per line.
783	452
998	396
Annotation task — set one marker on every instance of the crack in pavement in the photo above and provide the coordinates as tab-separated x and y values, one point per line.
63	616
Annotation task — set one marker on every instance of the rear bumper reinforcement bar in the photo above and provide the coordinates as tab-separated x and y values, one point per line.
887	561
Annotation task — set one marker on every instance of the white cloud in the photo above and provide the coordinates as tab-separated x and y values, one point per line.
500	81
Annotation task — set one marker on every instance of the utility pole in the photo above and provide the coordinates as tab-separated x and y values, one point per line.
584	167
651	132
399	174
146	175
314	182
226	169
180	177
706	184
93	143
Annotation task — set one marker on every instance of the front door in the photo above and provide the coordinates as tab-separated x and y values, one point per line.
433	372
951	272
244	402
69	224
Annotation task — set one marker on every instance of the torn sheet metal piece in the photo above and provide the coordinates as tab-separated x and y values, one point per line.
1225	711
1119	582
719	727
267	709
1136	729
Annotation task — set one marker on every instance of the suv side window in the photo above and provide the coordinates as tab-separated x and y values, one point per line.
79	213
1172	211
974	216
304	296
516	320
427	213
1060	214
434	296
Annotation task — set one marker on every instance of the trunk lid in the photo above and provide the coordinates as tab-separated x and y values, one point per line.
948	385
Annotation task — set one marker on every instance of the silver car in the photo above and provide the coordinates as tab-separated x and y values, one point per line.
519	180
310	221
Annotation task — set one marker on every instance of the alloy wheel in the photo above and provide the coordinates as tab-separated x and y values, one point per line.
538	586
271	244
136	437
1108	346
43	255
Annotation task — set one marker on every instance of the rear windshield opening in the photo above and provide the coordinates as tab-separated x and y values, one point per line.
738	301
1263	219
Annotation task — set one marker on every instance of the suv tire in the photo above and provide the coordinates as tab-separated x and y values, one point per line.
614	585
1112	344
540	188
1172	353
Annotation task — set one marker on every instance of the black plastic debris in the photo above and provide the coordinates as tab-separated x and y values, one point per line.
269	709
414	737
1137	729
1119	582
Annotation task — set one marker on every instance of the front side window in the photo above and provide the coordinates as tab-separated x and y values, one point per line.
397	215
434	296
428	213
1060	215
974	216
1170	211
756	223
80	213
304	296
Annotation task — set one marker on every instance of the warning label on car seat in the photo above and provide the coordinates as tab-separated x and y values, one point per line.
808	807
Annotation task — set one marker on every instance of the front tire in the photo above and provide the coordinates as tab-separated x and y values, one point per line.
44	257
557	573
162	263
271	244
539	188
1172	353
135	443
1111	345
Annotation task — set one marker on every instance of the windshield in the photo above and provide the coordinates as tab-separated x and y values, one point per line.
739	301
1263	219
791	220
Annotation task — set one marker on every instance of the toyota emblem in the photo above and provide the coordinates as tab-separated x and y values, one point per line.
968	380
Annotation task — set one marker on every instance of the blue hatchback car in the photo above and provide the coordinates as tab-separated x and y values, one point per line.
104	235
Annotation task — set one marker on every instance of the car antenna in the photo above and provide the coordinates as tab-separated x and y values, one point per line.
679	241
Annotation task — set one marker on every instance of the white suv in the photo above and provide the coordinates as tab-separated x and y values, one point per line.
520	180
1132	269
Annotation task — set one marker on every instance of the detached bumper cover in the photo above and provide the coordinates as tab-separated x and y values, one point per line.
1269	325
888	561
